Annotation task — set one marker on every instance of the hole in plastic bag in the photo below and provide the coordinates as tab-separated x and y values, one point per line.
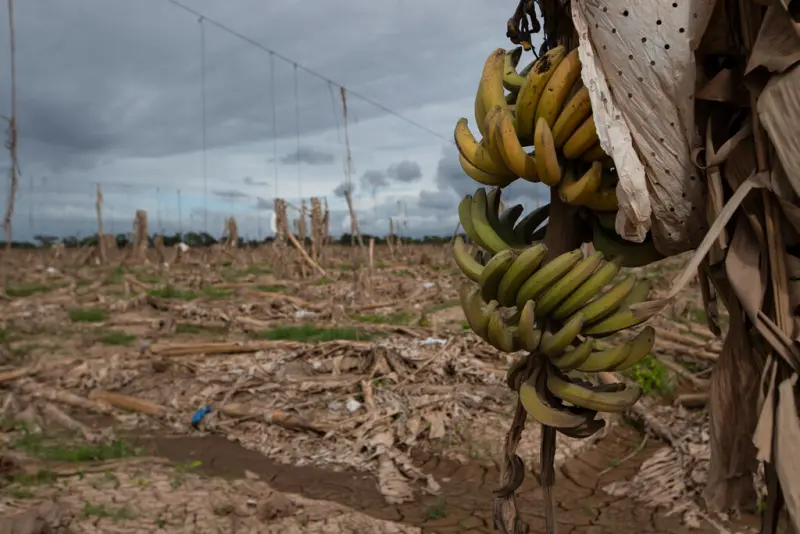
681	30
644	39
666	47
625	13
658	22
652	63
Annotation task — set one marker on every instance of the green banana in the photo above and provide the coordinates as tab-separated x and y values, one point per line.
553	344
556	293
466	263
574	357
588	290
523	267
593	397
533	397
529	335
622	319
531	222
492	215
472	305
493	273
465	216
634	254
508	219
501	336
547	275
480	220
608	302
586	430
640	346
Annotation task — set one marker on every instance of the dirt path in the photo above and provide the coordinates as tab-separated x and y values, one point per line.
465	503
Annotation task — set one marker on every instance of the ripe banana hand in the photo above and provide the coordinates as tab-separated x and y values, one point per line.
514	156
476	153
581	140
558	88
532	89
575	112
512	80
547	166
578	192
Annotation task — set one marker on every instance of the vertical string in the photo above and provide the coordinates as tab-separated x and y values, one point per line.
205	139
274	121
297	134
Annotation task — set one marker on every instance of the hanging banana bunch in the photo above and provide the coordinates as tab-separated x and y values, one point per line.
515	302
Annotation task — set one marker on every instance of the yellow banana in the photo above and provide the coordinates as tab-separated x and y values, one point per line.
593	397
558	88
523	267
492	140
576	110
516	159
595	153
547	165
529	335
491	93
493	241
588	290
581	140
492	180
512	80
603	200
468	265
561	289
531	91
493	273
573	357
533	397
553	344
576	192
475	153
546	276
633	254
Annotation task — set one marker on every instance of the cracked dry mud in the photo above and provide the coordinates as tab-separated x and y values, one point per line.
464	505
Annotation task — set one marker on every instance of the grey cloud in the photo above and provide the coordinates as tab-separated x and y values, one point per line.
374	180
309	156
405	171
450	176
438	200
263	204
343	188
250	181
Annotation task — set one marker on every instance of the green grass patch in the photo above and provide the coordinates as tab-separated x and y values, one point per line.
52	448
116	275
194	329
652	377
114	337
215	293
257	271
324	282
106	512
171	292
26	290
87	315
274	288
309	333
5	336
443	306
393	318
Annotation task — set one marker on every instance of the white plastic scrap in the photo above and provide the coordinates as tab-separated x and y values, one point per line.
352	405
638	64
433	341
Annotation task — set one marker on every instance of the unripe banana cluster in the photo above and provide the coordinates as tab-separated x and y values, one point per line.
554	310
546	106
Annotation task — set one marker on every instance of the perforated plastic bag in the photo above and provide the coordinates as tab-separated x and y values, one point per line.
638	63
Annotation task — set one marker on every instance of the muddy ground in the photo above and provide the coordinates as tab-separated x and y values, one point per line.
354	401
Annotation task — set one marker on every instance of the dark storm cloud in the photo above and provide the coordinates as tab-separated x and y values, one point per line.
343	188
250	181
309	156
129	82
405	171
230	194
374	180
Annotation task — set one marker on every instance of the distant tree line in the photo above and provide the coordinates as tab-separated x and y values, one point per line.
198	239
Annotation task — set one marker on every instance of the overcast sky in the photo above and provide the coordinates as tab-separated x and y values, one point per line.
109	92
